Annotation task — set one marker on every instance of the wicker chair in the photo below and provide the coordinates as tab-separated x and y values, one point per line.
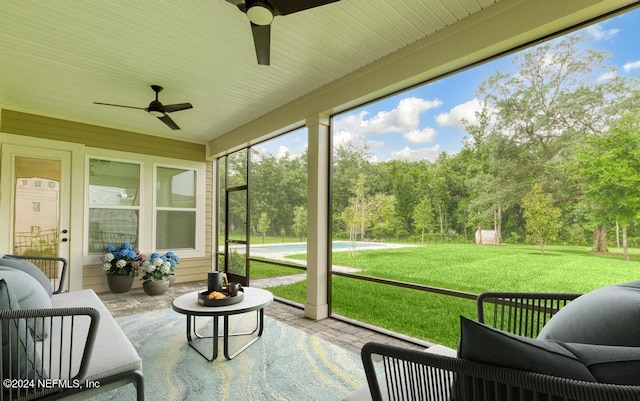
55	269
84	350
520	313
417	375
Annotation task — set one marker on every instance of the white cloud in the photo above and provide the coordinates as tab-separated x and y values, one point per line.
373	144
405	117
597	32
343	137
429	153
350	122
460	113
631	66
607	76
283	152
420	136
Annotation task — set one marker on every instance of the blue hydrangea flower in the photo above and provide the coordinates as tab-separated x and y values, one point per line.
111	248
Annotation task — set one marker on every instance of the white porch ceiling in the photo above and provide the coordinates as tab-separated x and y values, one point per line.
58	57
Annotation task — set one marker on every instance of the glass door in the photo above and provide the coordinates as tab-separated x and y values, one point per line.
38	208
233	176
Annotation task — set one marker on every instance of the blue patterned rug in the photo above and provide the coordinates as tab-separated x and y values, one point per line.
285	364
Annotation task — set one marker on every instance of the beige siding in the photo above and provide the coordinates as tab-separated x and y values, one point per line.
15	122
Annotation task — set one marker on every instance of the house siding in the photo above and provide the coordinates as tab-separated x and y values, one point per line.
19	123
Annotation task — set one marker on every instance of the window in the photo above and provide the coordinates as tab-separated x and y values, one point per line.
35	206
114	203
175	208
155	203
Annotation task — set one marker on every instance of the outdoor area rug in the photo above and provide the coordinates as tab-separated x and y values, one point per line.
285	364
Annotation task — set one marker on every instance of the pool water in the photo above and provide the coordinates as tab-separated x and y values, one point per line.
290	248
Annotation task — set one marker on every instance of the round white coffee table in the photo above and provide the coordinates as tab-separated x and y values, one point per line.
255	299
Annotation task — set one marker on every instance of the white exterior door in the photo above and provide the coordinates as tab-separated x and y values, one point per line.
36	208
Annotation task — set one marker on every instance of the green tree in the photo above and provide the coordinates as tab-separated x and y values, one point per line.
365	213
349	162
407	182
278	184
300	221
439	192
610	164
264	223
542	219
551	102
423	217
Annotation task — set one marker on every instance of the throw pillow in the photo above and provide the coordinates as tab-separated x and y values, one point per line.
482	343
609	364
25	362
29	294
606	316
30	269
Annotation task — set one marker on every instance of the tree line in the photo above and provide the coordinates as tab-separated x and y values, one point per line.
552	156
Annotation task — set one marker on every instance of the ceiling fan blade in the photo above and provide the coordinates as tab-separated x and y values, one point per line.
284	7
170	123
119	105
262	42
170	108
238	3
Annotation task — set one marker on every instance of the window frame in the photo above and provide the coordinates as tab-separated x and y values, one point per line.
198	209
95	257
147	200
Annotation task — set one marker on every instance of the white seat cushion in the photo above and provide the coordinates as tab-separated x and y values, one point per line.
112	351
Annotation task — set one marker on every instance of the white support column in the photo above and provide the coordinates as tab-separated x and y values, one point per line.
317	305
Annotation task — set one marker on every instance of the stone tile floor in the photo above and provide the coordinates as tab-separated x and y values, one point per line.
336	330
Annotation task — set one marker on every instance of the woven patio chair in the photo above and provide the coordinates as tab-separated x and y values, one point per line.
521	313
414	375
407	374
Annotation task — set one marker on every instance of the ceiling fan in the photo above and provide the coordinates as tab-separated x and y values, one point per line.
261	13
157	109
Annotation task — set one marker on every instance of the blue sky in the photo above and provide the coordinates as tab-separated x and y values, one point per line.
420	123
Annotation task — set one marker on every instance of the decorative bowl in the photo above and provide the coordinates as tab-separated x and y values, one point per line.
203	298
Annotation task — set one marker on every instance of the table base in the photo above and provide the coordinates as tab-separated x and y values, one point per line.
197	341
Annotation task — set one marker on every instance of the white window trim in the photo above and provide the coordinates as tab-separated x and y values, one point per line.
199	209
93	258
147	209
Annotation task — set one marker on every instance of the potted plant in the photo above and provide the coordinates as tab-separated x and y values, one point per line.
156	272
173	261
121	265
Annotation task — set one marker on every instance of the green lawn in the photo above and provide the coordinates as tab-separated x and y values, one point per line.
462	267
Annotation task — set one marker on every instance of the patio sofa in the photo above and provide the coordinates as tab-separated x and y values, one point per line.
524	346
58	344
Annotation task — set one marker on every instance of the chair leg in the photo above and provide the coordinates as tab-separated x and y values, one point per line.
139	383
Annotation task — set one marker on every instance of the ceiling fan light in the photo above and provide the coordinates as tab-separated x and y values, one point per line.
156	113
260	13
